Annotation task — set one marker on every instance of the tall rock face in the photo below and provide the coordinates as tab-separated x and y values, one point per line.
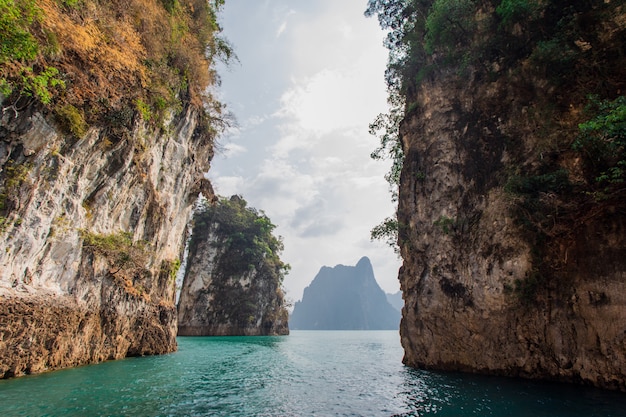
344	298
100	166
233	278
68	295
514	246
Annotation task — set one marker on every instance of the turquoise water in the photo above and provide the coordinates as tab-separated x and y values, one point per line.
305	374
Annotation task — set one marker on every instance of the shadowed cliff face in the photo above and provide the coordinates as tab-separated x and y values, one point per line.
92	238
464	308
514	251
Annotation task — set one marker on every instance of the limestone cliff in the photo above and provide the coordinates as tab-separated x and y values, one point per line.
233	277
512	212
100	167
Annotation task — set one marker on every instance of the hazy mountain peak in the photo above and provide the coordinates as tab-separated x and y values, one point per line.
344	297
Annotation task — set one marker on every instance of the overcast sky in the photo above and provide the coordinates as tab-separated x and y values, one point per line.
310	79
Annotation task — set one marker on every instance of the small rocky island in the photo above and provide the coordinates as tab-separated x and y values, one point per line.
233	278
345	298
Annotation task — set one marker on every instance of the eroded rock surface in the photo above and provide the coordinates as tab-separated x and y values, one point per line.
514	251
93	237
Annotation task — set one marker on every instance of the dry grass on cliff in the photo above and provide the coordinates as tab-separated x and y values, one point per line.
128	259
120	53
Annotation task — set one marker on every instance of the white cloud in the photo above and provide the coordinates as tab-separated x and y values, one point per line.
283	24
333	99
232	149
254	120
227	185
281	29
292	138
319	104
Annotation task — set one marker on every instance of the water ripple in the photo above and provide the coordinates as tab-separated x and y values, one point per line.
305	374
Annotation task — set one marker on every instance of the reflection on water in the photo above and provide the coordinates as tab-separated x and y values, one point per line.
304	374
453	394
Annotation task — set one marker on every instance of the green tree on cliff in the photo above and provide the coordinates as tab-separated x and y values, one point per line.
244	234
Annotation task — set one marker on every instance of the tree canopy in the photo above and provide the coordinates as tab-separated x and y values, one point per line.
244	235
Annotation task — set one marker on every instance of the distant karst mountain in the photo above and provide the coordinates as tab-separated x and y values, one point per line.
396	300
344	298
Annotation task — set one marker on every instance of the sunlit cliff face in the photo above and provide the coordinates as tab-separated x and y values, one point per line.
91	249
104	147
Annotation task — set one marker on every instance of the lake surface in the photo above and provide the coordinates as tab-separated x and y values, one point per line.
309	373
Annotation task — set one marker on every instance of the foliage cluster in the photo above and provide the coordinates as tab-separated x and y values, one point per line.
602	141
14	175
19	46
100	57
244	235
16	17
427	34
125	256
388	230
449	24
72	119
171	268
515	11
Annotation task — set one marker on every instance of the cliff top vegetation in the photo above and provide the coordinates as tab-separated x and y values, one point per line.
565	60
101	62
245	233
109	64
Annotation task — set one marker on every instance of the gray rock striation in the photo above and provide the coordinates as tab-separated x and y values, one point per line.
92	238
